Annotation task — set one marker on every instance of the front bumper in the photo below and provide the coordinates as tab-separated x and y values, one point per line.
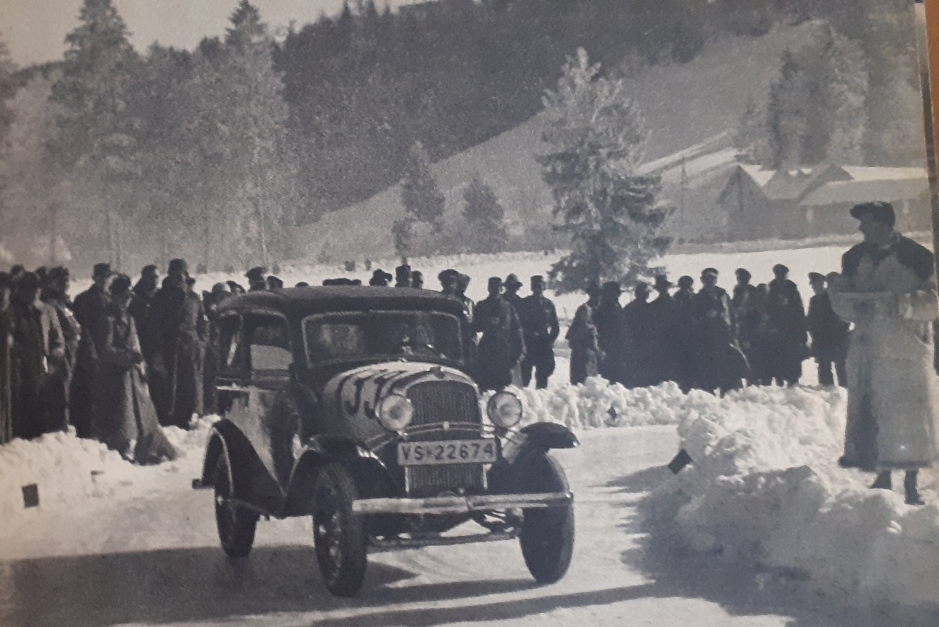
462	504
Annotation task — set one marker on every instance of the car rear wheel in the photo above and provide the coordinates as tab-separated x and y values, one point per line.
338	535
236	523
547	535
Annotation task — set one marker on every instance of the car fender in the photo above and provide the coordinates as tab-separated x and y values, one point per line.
251	481
507	476
370	473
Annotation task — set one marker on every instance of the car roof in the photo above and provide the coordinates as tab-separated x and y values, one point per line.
302	301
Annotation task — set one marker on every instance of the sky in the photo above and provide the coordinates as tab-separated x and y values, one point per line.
35	30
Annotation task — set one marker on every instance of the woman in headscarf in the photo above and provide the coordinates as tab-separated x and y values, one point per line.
126	421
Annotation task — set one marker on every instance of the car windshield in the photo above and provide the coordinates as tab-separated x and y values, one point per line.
393	334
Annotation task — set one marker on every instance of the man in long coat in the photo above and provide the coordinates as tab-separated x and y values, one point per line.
748	307
717	357
37	358
127	421
90	307
662	348
539	321
829	334
637	317
582	338
512	286
178	325
683	337
55	295
502	344
611	333
144	292
888	290
786	336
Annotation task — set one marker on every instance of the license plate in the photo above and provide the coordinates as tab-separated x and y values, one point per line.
447	452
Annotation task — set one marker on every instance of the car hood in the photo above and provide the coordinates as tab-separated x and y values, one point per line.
356	393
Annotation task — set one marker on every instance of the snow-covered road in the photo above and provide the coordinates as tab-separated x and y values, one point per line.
156	561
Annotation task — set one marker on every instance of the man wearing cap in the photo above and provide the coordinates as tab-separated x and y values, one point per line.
403	276
684	339
90	307
828	332
717	357
55	295
502	344
582	338
664	348
539	320
380	278
257	282
144	292
786	337
36	360
178	331
887	288
749	310
448	281
512	285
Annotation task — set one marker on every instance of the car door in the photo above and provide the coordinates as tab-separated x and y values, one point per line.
254	376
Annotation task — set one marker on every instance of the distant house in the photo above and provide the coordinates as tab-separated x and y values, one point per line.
763	204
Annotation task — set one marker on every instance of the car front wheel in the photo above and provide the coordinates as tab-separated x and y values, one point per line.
236	523
338	535
547	535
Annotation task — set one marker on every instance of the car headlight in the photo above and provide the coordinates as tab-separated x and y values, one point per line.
395	412
504	409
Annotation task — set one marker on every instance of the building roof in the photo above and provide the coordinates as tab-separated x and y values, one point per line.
858	191
859	173
756	172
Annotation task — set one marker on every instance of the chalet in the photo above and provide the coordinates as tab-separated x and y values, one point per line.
808	202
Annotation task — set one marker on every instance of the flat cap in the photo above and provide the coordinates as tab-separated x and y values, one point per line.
879	211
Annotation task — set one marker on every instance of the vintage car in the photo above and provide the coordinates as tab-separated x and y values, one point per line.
355	405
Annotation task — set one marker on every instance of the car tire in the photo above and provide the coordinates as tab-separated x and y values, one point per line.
547	535
236	523
338	535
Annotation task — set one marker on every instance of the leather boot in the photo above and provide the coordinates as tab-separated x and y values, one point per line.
909	485
883	481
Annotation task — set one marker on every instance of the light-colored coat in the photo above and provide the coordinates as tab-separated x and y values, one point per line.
893	399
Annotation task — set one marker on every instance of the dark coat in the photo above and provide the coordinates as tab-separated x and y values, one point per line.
644	356
89	307
139	309
613	339
662	343
786	335
718	360
582	339
829	333
126	420
178	330
502	344
37	359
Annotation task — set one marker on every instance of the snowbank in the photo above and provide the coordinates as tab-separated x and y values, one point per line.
67	470
765	491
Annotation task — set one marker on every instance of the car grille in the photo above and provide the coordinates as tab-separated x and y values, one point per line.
435	402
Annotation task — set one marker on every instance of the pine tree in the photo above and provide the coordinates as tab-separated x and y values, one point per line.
7	89
485	216
97	89
597	136
422	200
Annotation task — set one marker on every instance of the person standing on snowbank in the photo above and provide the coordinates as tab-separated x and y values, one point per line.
126	421
582	338
887	288
502	345
829	334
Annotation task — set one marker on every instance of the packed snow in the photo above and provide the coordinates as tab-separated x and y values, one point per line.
764	490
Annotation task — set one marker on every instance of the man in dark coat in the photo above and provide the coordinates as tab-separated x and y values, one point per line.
139	309
502	344
611	332
786	339
178	326
469	310
6	340
683	336
637	318
717	357
512	285
36	360
539	321
448	281
126	420
403	276
380	278
417	280
582	338
55	295
829	334
257	282
90	307
748	308
663	347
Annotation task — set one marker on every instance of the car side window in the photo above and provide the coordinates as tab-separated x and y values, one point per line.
230	343
269	346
